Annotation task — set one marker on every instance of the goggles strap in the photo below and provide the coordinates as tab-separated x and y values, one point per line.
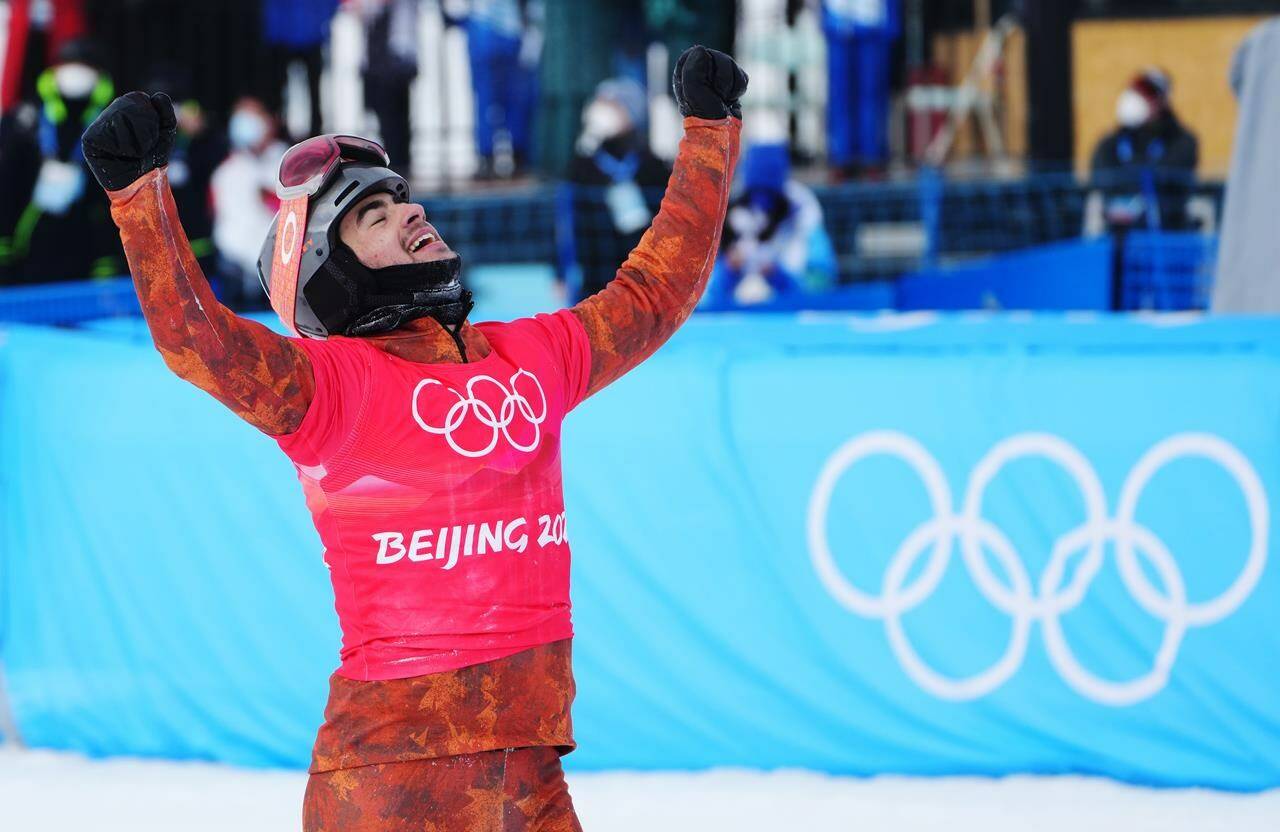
291	233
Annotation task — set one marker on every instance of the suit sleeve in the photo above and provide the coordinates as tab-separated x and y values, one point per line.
263	377
658	286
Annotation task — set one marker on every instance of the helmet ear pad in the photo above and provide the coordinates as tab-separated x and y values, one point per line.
332	293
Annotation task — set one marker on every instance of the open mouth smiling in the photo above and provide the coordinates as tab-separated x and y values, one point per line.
423	240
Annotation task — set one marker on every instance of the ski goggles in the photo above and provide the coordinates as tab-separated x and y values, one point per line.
311	164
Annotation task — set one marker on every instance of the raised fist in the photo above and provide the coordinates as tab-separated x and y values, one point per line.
708	84
132	136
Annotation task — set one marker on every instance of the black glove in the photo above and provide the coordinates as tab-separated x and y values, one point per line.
132	136
708	84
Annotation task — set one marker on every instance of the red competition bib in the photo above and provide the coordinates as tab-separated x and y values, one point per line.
436	491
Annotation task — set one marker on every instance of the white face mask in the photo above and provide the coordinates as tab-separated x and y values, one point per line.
58	185
246	129
75	80
604	120
1132	109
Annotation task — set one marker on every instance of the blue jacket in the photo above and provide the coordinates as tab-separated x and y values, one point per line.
862	17
297	23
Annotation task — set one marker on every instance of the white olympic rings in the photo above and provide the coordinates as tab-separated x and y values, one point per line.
513	402
1049	600
289	237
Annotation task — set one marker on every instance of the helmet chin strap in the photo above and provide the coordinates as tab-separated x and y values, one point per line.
392	296
387	318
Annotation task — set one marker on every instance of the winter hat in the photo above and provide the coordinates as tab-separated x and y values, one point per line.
1154	85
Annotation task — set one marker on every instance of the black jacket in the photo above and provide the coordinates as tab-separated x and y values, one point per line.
1159	156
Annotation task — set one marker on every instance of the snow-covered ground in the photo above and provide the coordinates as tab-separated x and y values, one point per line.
55	792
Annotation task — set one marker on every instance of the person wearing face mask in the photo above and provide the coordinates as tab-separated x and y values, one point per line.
43	176
428	447
36	32
244	200
617	181
1142	171
774	243
1144	165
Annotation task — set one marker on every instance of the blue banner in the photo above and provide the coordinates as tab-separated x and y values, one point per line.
912	543
1075	274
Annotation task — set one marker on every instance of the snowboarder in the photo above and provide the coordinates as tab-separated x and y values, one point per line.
428	447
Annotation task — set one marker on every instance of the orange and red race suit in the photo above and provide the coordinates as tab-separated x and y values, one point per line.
520	698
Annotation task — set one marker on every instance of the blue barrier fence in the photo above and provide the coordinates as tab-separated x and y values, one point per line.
69	303
906	543
1168	271
879	230
886	229
1158	271
1058	276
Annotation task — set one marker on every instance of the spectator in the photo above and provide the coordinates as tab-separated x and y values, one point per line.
391	64
619	181
37	32
45	202
774	243
295	32
1145	166
860	36
585	42
504	39
198	150
245	201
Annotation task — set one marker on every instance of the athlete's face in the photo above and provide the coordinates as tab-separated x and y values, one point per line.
383	232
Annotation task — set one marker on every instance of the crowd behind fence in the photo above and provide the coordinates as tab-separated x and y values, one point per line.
879	232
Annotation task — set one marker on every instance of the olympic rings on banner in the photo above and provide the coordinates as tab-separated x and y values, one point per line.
514	404
1047	599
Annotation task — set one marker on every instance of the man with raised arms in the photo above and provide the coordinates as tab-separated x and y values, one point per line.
450	710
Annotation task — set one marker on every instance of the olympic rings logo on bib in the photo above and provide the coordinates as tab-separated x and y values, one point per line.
1026	601
515	419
